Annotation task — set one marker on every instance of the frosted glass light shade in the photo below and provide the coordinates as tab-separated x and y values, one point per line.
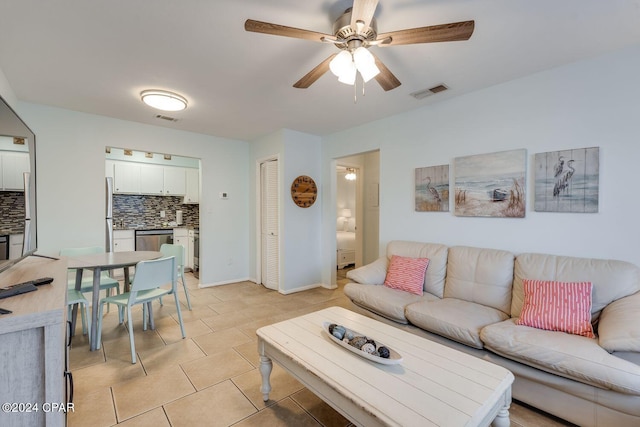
346	213
341	63
349	75
365	63
163	100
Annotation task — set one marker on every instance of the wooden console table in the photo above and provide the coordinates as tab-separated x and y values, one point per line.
33	346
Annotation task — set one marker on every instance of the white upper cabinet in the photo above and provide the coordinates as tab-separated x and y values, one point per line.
192	186
13	164
151	179
137	178
174	181
126	178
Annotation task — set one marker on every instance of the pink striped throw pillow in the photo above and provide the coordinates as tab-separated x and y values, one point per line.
406	274
557	306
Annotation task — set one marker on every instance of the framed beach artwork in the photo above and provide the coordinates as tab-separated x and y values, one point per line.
491	185
567	180
432	189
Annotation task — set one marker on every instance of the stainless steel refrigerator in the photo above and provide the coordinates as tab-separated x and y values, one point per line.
109	214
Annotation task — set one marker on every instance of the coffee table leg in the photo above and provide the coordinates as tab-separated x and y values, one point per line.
266	365
502	419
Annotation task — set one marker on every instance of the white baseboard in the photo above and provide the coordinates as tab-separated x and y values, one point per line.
226	282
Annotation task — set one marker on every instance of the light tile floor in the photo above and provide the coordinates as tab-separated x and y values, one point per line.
211	377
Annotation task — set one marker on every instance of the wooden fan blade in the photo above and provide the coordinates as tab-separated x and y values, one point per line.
386	79
314	74
363	10
455	31
281	30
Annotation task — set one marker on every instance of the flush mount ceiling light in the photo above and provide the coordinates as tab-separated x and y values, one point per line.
163	100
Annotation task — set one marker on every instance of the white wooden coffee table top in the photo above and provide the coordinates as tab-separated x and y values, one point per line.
434	385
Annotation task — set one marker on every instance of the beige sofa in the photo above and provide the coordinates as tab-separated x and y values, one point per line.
472	298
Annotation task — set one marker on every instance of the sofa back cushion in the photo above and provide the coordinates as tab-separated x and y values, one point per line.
479	275
611	279
437	255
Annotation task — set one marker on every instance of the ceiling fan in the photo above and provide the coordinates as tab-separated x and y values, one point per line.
353	33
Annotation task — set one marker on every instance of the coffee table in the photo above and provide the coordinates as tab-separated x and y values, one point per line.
434	385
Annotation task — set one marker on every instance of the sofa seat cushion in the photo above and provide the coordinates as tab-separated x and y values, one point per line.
456	319
570	356
387	302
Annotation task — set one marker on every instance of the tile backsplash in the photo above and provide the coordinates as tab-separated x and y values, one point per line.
12	212
144	211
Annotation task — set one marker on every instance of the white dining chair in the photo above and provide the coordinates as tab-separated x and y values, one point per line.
177	251
146	287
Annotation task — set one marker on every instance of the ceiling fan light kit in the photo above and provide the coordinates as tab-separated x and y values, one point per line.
353	33
163	100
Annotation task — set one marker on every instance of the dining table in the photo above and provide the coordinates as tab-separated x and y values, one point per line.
103	262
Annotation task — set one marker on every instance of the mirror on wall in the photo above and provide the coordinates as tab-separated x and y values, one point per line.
17	188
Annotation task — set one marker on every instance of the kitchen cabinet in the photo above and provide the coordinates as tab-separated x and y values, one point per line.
15	245
174	181
126	178
151	180
138	178
192	189
124	240
14	165
181	237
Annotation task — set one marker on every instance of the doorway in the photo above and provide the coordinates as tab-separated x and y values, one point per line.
347	229
362	202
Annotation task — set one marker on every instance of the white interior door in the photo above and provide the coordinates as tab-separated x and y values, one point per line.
269	209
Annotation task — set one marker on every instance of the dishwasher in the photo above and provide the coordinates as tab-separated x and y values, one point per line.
151	240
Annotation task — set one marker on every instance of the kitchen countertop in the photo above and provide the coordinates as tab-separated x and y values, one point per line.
156	227
11	231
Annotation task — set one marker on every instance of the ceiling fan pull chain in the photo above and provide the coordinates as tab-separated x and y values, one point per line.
355	91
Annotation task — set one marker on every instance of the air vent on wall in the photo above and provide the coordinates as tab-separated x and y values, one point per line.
428	92
163	117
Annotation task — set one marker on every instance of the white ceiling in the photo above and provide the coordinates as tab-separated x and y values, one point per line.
97	56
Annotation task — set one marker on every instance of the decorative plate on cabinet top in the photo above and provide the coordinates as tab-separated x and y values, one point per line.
361	345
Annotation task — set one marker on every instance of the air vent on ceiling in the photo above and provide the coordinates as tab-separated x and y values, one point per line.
428	92
170	119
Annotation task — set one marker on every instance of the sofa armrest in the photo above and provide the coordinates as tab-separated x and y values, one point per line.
619	325
370	274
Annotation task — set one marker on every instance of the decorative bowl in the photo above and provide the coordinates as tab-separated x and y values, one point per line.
358	338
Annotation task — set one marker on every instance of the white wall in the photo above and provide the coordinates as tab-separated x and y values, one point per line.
6	91
300	233
585	104
70	178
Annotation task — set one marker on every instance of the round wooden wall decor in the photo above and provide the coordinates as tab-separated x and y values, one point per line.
304	191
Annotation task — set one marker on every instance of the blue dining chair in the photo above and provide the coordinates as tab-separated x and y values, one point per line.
146	287
177	251
76	297
107	283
